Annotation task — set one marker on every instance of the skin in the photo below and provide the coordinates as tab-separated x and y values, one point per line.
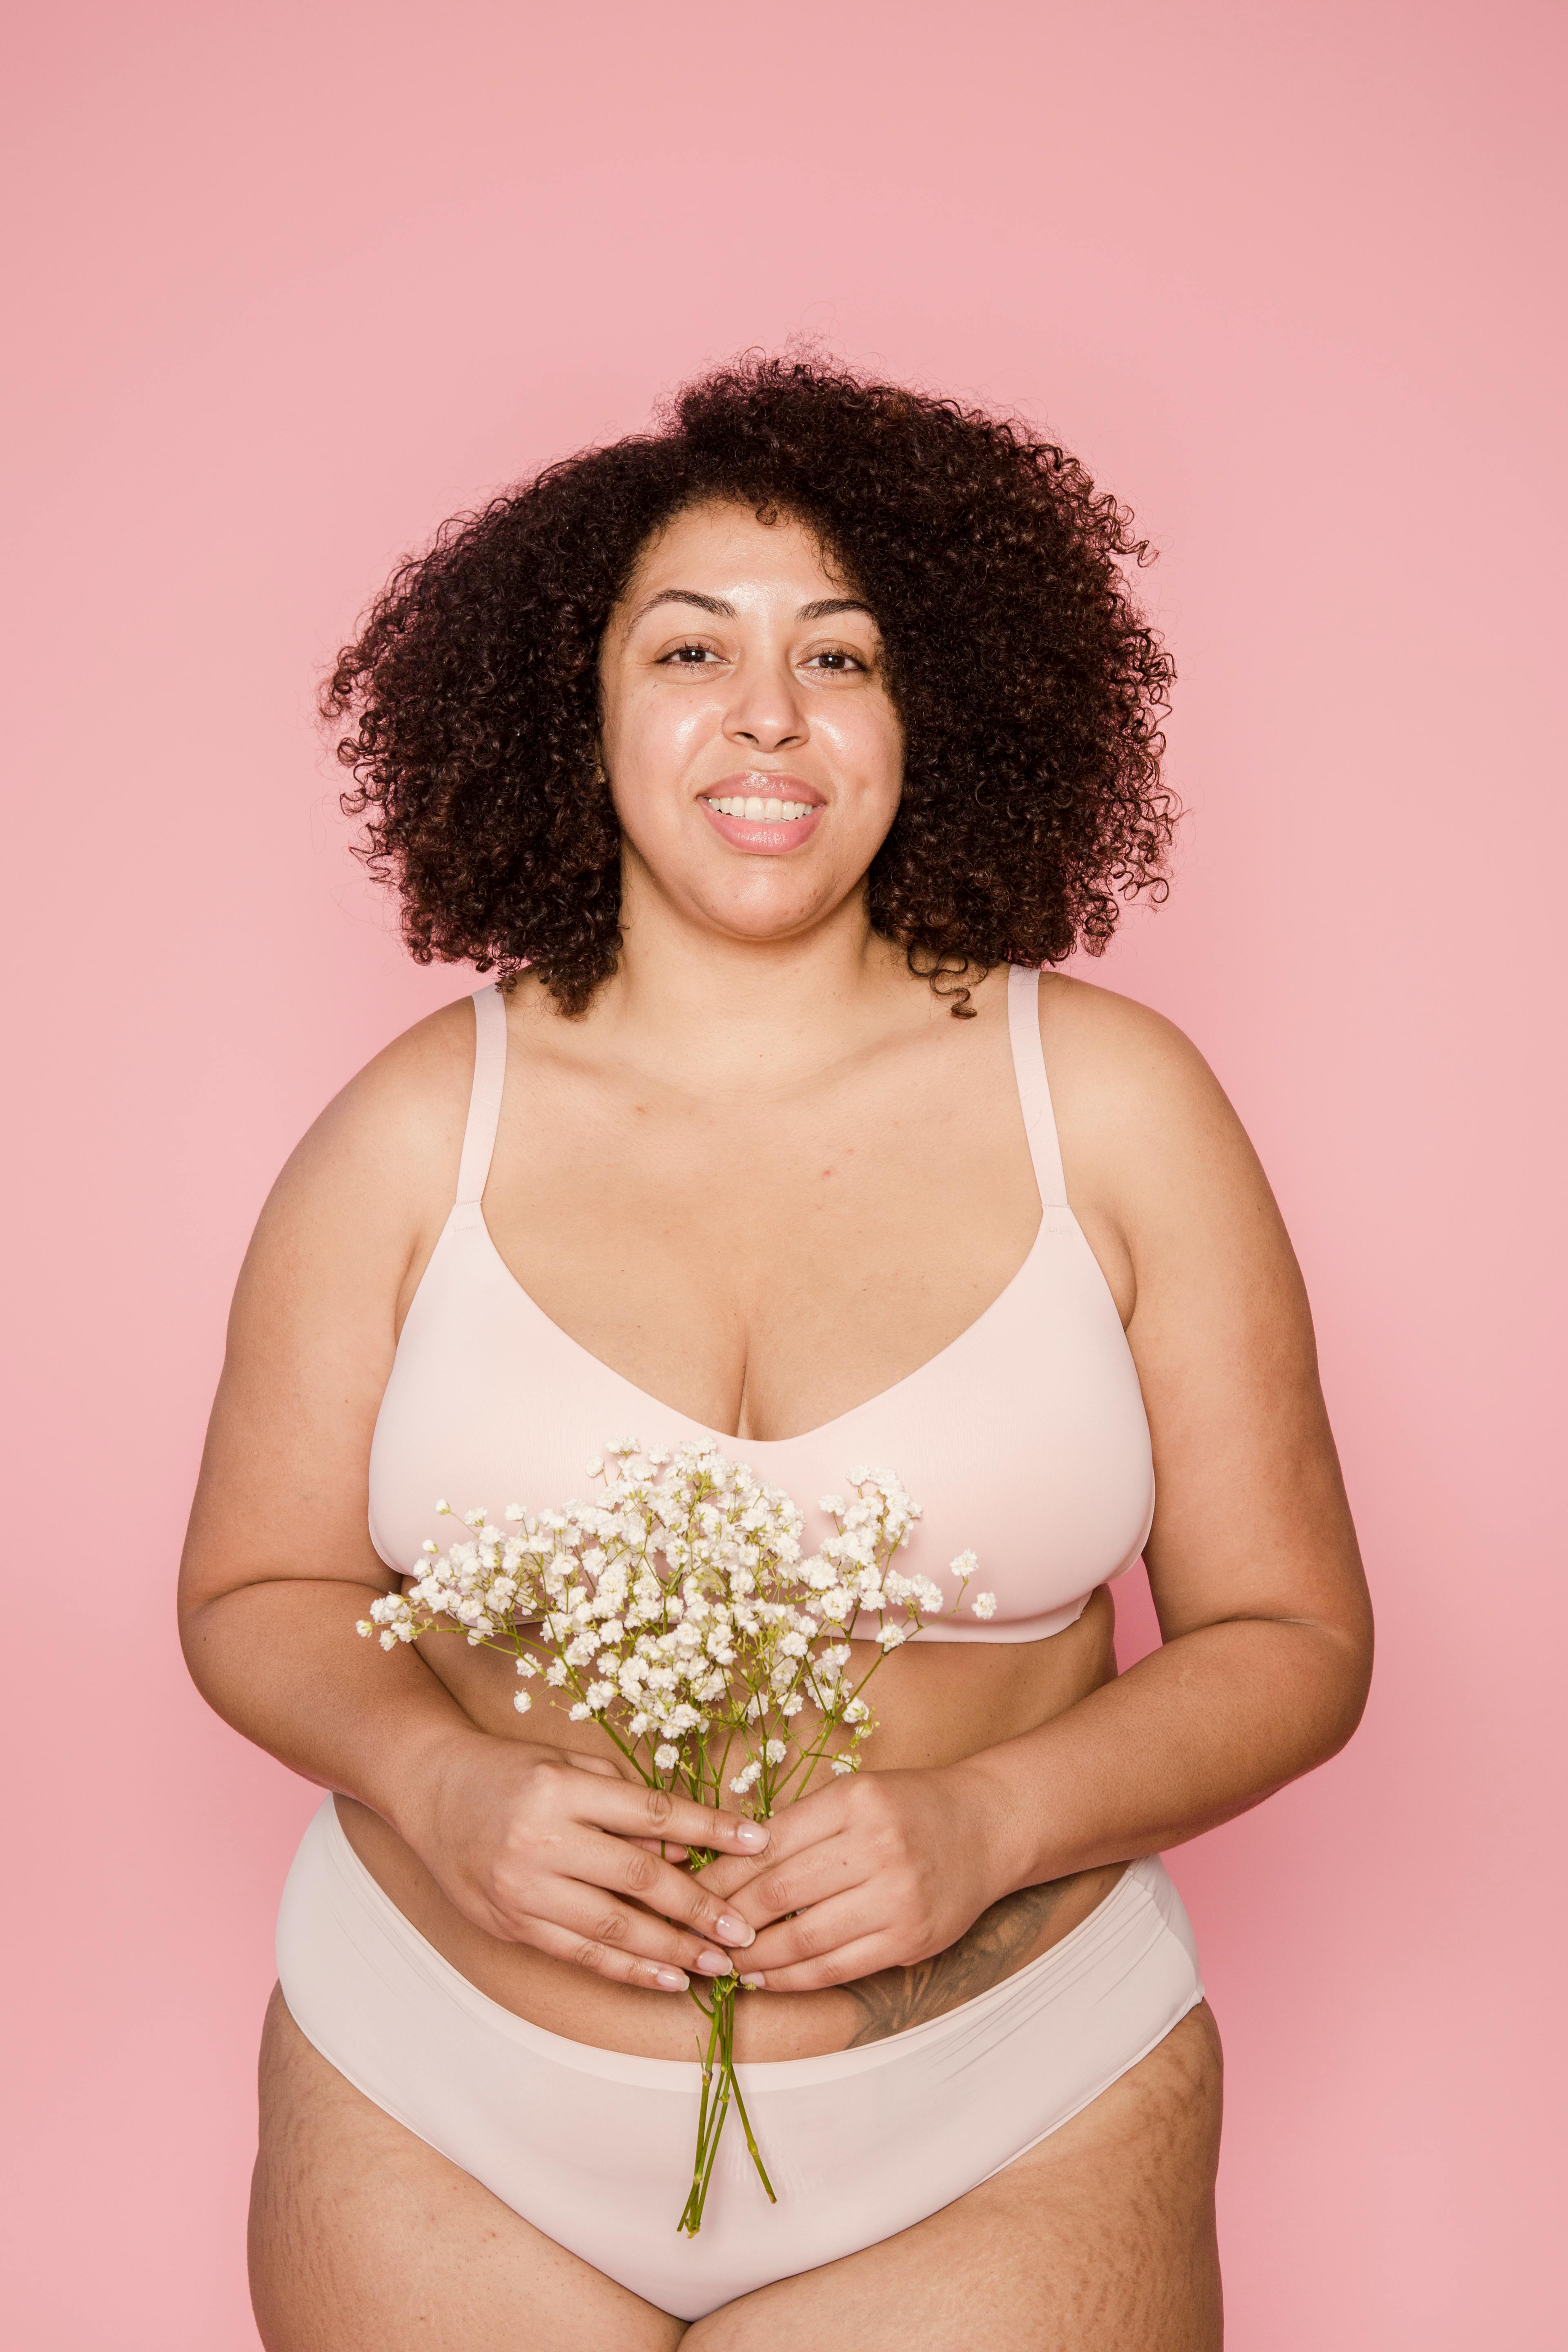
765	1177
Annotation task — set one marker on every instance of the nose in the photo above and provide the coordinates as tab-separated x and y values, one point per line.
766	712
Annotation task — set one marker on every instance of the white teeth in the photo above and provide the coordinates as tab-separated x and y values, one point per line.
761	812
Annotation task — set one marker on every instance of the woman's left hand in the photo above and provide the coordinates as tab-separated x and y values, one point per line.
880	1870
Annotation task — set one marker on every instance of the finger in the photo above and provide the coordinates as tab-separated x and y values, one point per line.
626	1866
620	1806
623	1949
791	1832
815	1935
813	1878
726	1876
668	1854
865	1956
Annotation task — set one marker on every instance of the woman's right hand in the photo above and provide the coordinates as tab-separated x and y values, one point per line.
538	1845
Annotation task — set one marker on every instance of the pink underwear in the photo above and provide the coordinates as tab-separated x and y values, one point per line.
594	2148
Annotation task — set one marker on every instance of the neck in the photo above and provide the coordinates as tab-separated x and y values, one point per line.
713	1008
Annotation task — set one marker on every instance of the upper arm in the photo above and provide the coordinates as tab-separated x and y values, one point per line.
283	1489
1251	1518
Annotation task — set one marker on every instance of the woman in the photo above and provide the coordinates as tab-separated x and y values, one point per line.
771	758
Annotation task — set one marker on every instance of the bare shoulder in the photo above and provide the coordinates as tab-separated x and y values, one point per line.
1149	1137
381	1160
1116	1056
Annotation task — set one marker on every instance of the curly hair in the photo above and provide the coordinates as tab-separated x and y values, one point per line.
1028	684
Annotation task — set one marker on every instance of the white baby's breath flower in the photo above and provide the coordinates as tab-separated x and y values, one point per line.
842	1764
964	1565
665	1756
523	1701
984	1604
775	1751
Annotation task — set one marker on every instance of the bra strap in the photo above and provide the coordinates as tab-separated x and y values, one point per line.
1034	1088
484	1102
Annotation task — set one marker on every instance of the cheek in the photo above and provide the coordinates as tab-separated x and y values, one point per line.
650	738
877	763
869	741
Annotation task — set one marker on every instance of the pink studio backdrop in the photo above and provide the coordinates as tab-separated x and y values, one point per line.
289	283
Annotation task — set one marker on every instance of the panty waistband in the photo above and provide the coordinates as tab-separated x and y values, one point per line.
1141	1904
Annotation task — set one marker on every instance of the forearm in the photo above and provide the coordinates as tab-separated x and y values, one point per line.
1197	1732
282	1664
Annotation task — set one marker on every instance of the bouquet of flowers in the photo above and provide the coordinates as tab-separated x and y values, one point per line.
680	1612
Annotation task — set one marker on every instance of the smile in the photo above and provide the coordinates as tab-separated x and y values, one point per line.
759	811
766	823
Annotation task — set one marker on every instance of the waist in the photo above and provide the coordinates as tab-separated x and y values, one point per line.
771	2028
1138	1898
934	1706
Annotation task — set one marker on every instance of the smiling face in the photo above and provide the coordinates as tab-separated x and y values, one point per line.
753	751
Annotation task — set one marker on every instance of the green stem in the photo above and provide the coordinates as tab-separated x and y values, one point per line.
751	2136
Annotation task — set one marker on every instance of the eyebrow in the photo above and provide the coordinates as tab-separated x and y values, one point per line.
822	610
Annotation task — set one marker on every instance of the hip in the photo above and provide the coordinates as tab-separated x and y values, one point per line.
588	2143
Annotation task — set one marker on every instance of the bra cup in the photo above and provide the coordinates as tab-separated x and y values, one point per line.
1026	1440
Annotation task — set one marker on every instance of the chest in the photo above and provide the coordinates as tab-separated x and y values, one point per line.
764	1256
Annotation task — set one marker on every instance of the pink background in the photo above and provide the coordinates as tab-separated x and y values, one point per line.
297	280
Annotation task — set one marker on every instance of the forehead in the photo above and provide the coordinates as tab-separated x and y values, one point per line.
722	545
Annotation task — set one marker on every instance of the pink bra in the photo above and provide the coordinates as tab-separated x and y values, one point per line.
1024	1439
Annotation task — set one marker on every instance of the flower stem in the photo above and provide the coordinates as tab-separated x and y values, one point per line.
715	2107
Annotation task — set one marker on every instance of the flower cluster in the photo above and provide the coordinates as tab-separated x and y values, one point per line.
679	1612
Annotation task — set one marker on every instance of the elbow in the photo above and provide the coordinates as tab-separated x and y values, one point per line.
193	1622
1346	1684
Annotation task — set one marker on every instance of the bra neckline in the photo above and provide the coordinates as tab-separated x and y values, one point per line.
723	1437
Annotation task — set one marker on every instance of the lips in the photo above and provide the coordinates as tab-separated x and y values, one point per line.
763	814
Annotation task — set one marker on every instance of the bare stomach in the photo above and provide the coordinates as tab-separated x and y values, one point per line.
936	1703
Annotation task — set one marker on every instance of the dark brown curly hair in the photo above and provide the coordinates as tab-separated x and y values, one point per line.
1028	684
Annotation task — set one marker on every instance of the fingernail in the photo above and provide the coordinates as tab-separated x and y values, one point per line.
734	1931
671	1980
755	1982
714	1964
751	1836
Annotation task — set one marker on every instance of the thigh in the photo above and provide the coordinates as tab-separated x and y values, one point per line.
1099	2240
363	2240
